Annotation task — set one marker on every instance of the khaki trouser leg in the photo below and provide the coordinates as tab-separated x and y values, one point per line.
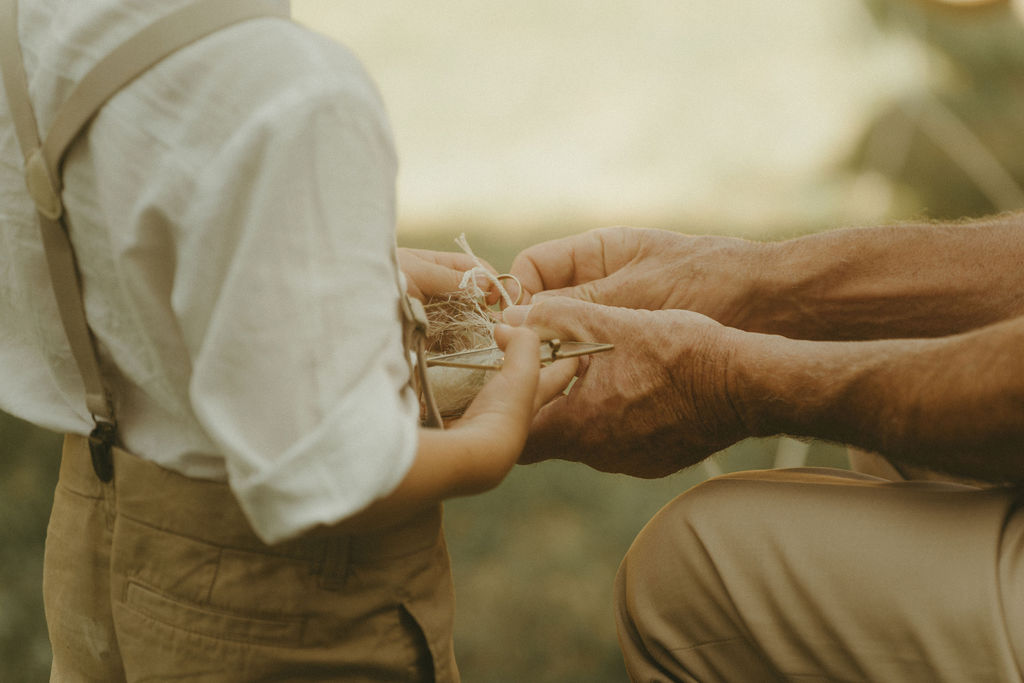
76	581
823	575
162	579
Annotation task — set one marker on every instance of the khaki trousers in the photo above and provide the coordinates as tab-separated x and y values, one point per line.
158	577
825	575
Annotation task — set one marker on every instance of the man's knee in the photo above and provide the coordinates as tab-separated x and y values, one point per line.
723	521
675	543
659	560
671	597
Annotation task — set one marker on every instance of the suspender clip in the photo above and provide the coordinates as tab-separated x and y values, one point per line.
101	448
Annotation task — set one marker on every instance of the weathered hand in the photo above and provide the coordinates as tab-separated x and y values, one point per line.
647	269
435	273
656	404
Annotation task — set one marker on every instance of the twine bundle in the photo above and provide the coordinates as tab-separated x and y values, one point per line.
461	321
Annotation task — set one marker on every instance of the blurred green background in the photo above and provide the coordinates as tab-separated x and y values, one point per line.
519	122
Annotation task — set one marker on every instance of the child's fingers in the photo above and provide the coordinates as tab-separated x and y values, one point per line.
551	381
426	278
506	335
437	273
519	371
522	351
455	260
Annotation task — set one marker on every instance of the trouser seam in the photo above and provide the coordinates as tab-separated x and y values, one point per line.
213	580
110	504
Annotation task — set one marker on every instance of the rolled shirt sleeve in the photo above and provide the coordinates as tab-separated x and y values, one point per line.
288	301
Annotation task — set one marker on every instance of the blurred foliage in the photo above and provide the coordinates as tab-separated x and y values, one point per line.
534	560
955	147
29	458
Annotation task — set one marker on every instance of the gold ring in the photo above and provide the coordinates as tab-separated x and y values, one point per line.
510	276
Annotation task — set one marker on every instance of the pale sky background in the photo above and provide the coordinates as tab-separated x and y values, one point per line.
596	112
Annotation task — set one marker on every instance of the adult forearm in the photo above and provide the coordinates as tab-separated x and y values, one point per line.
954	404
923	280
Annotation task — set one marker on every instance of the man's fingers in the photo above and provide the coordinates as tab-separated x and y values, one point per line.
553	381
516	315
559	318
593	292
567	263
562	263
543	266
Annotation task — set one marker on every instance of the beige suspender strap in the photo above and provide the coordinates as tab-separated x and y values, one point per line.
59	255
137	55
43	159
415	327
15	82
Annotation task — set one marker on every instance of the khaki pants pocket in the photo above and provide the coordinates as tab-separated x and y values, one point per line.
212	622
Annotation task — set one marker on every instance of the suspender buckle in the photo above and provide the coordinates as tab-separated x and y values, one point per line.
101	448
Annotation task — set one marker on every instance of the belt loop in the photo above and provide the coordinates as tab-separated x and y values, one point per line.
335	564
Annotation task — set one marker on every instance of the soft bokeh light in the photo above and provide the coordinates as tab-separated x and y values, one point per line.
512	114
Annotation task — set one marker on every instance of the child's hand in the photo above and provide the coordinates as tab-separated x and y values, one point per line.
495	426
436	273
479	450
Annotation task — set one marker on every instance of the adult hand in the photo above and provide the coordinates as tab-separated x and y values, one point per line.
655	404
647	269
436	273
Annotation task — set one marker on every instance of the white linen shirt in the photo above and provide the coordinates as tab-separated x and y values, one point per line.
232	211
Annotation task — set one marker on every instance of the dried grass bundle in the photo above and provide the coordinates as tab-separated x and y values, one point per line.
461	321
